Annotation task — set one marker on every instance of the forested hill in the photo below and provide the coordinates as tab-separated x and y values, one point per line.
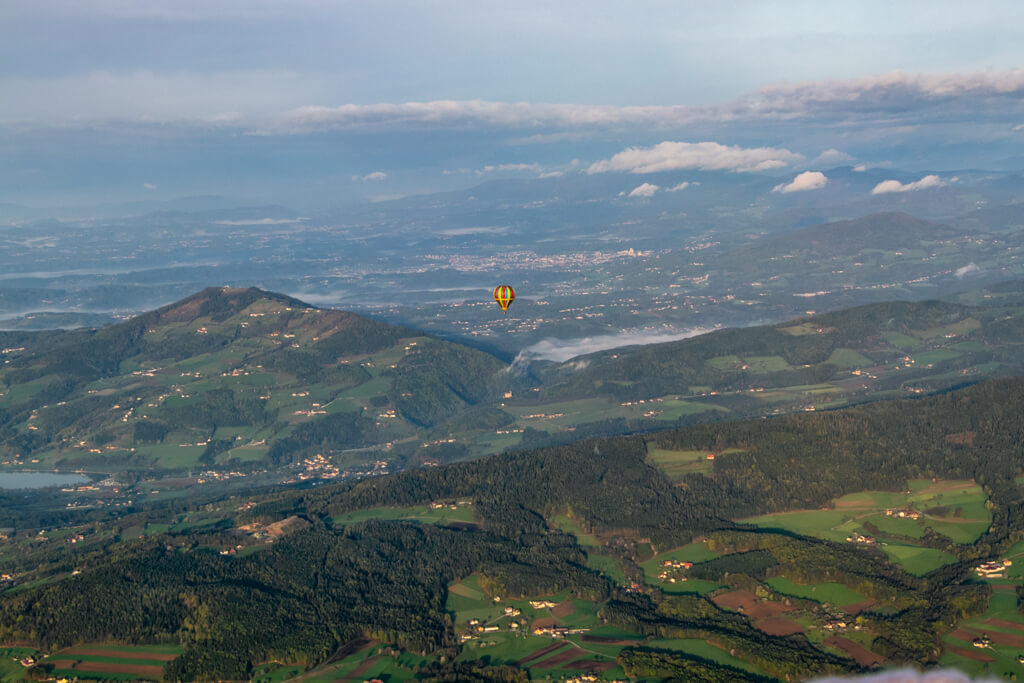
226	375
789	462
863	351
333	579
245	379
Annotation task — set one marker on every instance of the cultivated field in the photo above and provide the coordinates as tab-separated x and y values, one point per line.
112	662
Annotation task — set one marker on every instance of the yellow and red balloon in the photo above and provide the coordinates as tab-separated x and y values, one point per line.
504	295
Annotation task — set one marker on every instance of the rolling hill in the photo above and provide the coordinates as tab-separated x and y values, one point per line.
227	376
246	380
603	560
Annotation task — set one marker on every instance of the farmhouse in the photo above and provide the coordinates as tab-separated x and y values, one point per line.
903	514
991	570
858	538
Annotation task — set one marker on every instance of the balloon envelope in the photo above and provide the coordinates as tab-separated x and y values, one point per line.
504	295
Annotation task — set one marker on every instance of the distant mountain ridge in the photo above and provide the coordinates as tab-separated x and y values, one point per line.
887	230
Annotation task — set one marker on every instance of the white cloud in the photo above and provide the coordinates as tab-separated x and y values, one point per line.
808	180
1018	127
887	186
831	156
964	271
371	177
860	168
552	174
149	186
905	676
707	156
645	190
252	101
681	186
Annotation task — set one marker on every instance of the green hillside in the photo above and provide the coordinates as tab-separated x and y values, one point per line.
822	361
227	377
244	380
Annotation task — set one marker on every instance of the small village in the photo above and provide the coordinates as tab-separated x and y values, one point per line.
672	570
517	623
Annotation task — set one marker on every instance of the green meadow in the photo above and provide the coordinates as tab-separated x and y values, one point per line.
835	594
956	509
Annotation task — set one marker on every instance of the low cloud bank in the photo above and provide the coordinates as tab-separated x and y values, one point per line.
560	350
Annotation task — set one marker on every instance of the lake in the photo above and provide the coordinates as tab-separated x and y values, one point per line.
39	480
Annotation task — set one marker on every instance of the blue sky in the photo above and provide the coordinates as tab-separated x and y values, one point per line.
121	99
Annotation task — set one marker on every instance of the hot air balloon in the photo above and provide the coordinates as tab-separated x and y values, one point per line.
504	295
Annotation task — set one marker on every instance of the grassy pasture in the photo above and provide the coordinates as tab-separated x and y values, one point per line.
764	364
677	464
917	560
724	363
570	526
274	673
608	566
849	359
935	356
902	341
704	649
835	594
954	508
416	513
673	409
172	455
